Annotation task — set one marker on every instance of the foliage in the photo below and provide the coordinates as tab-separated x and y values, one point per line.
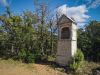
22	54
30	58
26	37
89	41
77	61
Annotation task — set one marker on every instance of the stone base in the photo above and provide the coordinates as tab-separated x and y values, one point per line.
63	52
62	60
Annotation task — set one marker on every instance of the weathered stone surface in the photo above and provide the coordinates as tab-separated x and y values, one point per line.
66	47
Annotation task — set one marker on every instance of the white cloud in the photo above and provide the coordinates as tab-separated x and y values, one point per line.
88	3
62	9
94	4
4	2
78	12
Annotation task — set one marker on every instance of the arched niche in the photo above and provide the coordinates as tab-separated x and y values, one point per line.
65	33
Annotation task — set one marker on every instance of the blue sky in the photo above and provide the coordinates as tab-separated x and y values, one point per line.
83	10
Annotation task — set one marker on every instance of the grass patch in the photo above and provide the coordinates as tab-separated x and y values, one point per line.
12	63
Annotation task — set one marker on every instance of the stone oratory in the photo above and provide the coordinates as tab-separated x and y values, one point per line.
67	40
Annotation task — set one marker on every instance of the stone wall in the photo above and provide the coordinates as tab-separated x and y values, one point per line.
73	39
63	52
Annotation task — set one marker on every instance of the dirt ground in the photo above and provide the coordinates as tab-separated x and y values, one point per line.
10	67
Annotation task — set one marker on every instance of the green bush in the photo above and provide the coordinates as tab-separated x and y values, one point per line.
30	58
77	61
26	56
37	57
22	54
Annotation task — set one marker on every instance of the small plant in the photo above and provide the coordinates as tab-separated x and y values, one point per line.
26	56
51	58
22	54
30	58
37	57
77	61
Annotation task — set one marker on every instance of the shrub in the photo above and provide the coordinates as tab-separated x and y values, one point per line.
37	57
22	54
26	56
77	61
30	58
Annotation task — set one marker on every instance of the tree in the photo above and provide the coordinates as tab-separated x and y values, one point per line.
28	33
89	40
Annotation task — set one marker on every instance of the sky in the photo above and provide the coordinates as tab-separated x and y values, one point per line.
83	11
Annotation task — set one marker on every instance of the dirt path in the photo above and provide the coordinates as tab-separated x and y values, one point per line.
10	67
16	71
46	70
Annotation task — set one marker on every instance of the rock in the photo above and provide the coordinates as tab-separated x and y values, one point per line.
96	72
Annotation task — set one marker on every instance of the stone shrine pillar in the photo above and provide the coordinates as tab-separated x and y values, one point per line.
67	40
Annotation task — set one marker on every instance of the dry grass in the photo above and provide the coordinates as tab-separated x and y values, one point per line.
87	68
11	67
